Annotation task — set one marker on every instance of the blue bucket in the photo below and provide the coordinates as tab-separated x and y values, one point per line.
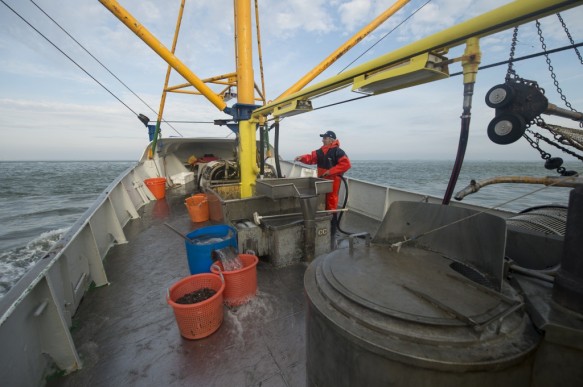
204	241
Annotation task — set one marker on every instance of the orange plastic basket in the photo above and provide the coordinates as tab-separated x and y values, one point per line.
240	285
157	185
198	208
199	320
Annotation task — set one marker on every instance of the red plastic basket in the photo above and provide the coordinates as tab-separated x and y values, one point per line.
199	320
240	285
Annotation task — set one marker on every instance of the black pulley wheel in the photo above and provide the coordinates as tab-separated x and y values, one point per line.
506	128
499	96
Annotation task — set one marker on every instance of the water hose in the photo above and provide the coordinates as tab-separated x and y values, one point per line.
470	63
261	151
343	206
276	150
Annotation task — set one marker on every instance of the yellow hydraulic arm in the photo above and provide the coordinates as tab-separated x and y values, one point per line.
499	19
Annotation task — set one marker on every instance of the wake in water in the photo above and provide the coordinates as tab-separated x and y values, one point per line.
16	262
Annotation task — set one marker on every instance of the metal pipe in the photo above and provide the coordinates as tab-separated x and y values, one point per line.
257	218
554	110
475	186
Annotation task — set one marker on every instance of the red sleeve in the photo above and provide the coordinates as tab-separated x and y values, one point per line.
310	158
342	166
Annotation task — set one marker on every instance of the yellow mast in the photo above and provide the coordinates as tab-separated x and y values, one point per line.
245	95
245	112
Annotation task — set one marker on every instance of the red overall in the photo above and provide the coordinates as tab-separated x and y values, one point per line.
335	167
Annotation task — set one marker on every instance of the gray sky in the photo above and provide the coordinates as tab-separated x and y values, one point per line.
51	110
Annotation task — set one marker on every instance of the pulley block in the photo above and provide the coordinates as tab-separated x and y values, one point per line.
506	128
516	104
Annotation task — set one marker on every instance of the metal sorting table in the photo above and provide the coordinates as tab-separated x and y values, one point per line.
307	190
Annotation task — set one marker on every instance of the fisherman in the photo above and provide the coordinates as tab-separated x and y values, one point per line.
332	163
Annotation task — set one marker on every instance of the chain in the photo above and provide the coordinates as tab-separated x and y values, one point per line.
534	143
511	76
510	73
544	155
570	38
551	70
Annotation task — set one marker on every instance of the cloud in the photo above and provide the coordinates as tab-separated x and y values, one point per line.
354	13
50	108
286	19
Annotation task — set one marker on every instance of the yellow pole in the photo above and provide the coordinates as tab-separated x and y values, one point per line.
245	80
344	48
262	92
164	92
245	95
173	50
132	23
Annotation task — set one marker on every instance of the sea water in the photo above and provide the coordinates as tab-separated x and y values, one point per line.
39	201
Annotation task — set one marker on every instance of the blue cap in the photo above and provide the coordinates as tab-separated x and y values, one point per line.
330	134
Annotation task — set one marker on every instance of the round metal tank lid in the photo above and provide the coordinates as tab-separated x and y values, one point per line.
416	295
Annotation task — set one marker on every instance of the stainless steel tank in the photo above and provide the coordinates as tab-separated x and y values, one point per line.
426	315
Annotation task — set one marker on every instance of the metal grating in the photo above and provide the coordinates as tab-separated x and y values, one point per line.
545	220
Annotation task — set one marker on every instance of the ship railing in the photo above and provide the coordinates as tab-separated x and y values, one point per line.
37	313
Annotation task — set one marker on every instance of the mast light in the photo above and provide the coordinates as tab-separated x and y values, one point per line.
294	107
419	69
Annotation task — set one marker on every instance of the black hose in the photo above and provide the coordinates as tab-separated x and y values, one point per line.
261	151
343	207
276	150
463	142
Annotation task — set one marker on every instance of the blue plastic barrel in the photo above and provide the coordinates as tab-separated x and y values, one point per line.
203	242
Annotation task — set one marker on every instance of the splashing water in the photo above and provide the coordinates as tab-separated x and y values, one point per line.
228	257
16	262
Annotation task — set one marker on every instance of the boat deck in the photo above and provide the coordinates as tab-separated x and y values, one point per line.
126	333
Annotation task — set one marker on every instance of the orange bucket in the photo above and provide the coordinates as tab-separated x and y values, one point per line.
202	319
198	208
157	185
240	285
